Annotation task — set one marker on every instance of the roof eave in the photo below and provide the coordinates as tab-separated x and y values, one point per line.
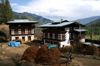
47	26
21	22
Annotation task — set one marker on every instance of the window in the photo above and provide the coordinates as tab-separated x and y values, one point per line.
32	31
48	35
59	36
19	31
12	31
53	36
66	29
43	35
26	31
29	31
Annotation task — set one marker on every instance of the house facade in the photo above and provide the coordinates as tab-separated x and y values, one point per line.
62	33
22	29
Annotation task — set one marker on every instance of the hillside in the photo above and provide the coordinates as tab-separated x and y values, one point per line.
41	19
95	23
87	20
94	27
17	16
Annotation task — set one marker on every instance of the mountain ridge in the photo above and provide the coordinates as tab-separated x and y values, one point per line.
43	20
87	20
95	23
40	19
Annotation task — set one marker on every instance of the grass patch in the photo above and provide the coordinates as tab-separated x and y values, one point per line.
95	37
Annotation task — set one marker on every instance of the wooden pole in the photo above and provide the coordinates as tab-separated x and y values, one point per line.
91	36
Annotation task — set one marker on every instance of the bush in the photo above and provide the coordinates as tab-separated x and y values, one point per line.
94	57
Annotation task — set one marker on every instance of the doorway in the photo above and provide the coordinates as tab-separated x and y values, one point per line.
16	38
29	38
23	38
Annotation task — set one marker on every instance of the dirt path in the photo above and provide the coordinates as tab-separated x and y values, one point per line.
78	63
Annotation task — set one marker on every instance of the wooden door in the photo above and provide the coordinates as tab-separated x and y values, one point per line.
29	38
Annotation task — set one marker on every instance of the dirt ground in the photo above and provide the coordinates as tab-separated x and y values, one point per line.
7	52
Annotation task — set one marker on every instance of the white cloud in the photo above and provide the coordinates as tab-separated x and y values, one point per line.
66	9
13	4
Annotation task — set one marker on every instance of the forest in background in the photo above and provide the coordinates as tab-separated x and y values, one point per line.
93	27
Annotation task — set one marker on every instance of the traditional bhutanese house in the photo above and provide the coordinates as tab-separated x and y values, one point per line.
62	33
22	29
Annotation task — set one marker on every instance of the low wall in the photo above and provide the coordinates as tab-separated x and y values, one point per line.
93	41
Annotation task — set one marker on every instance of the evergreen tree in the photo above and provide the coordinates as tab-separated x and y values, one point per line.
5	11
2	15
8	11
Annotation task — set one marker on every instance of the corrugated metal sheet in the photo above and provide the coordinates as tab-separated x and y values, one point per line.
22	21
56	25
80	30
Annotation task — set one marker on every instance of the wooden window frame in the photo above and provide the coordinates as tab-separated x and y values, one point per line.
19	31
32	31
48	35
26	31
12	32
59	36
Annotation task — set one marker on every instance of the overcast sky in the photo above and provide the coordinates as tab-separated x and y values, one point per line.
58	9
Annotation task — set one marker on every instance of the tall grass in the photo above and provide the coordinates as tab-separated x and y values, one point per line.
95	37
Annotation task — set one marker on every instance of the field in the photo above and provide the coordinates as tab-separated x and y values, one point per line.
95	37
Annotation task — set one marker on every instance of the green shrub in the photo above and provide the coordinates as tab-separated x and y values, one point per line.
94	57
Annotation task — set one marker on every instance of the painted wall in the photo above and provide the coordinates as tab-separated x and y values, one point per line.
20	37
26	38
32	37
67	41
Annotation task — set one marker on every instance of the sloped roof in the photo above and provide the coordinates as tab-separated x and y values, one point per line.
58	24
55	25
21	21
80	30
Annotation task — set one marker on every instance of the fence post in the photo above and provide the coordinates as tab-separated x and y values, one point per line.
66	63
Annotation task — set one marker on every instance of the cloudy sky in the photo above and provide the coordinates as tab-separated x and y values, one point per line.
58	9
